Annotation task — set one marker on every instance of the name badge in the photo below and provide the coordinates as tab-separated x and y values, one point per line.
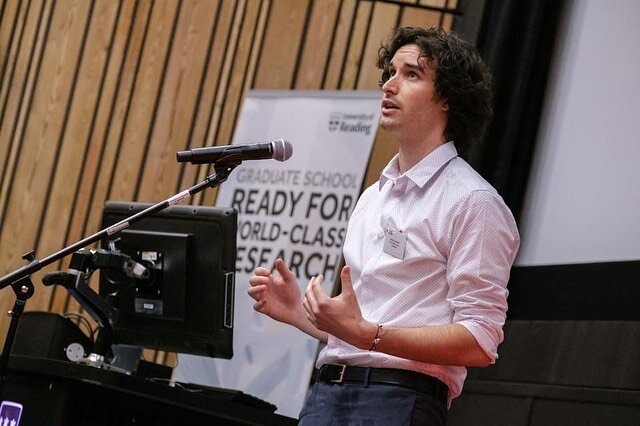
394	243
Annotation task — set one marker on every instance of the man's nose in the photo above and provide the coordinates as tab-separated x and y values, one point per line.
390	86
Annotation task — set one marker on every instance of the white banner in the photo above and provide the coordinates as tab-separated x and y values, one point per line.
297	211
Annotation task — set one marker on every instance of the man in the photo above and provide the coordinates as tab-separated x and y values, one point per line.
428	253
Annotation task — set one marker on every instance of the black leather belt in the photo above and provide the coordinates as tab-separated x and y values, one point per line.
333	373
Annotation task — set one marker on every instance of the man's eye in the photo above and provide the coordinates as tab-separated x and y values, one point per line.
413	74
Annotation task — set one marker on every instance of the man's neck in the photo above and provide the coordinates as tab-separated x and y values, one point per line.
412	152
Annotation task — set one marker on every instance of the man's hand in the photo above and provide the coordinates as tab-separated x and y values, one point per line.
280	298
339	316
276	297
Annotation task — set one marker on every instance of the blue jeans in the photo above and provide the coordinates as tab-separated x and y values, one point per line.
351	404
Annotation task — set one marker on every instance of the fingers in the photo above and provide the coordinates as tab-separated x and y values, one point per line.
310	302
259	305
258	280
263	277
309	298
263	272
283	270
307	307
315	287
345	278
315	292
256	292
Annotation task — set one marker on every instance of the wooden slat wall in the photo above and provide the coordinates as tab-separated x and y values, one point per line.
96	96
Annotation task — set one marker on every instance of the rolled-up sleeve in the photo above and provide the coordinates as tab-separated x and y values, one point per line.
484	243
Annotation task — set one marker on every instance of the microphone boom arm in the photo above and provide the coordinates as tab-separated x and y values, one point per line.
20	279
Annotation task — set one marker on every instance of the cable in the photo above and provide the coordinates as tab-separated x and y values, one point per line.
81	319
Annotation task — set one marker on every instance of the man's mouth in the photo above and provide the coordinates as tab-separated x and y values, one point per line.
388	105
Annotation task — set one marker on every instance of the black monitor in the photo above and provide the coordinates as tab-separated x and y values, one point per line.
186	303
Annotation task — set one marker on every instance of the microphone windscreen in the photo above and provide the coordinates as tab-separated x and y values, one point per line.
282	149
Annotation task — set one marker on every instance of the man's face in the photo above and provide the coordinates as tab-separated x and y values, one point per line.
409	105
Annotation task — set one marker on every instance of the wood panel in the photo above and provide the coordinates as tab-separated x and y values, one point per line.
412	17
383	21
221	91
434	3
144	102
205	115
13	26
341	36
178	100
358	36
278	59
235	83
317	45
39	144
96	96
104	145
18	85
74	139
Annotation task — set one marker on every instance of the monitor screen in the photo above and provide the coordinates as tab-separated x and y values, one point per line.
185	304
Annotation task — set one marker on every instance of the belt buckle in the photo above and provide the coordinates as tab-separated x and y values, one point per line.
340	376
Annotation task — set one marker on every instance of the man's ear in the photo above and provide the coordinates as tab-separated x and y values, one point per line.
444	105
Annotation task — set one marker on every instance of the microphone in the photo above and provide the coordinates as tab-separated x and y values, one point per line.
279	149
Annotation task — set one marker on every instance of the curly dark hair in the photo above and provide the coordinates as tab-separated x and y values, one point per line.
462	80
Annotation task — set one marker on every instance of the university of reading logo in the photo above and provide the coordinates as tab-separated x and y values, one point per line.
334	121
345	122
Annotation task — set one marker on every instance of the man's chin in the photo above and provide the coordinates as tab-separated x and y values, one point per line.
387	124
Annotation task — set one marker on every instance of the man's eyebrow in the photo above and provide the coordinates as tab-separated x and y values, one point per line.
410	65
413	66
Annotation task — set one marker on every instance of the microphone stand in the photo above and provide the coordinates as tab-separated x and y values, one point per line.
20	279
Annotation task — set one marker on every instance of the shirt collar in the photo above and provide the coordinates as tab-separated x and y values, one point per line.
424	170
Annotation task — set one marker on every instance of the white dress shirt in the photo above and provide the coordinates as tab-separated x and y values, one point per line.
461	240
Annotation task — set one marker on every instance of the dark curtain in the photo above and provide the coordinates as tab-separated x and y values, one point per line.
516	39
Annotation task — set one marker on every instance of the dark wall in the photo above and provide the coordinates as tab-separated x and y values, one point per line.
557	373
